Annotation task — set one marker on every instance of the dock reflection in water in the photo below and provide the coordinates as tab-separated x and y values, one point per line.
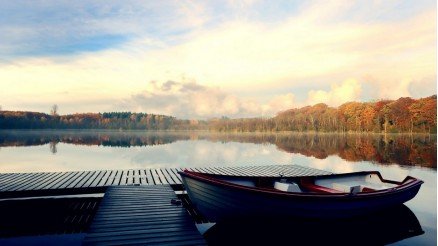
381	228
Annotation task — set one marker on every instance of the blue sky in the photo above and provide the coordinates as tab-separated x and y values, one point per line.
248	57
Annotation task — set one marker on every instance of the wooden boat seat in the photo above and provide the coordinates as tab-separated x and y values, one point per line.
367	189
287	187
309	185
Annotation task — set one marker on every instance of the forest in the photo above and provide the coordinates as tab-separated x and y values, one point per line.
387	116
404	115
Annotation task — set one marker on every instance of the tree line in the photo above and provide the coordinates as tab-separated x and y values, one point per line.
110	120
388	116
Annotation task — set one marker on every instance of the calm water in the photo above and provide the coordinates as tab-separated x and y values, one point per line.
395	156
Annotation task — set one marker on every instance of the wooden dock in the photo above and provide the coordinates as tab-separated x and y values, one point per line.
136	207
142	215
56	183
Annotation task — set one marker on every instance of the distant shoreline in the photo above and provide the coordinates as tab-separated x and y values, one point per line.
404	115
212	131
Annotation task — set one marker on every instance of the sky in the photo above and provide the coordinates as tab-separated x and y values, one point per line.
204	59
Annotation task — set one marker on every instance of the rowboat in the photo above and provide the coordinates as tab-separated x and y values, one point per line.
223	197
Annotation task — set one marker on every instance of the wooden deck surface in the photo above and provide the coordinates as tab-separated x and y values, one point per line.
142	215
11	183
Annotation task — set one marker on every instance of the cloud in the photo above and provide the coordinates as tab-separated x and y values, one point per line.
279	103
240	65
192	100
40	28
349	90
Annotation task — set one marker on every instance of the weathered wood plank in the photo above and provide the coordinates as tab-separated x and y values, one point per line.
130	177
55	181
94	182
166	176
29	185
118	177
172	176
143	177
111	177
176	175
66	181
123	218
80	179
161	176
17	182
8	177
155	177
38	185
104	178
149	177
137	177
89	180
27	182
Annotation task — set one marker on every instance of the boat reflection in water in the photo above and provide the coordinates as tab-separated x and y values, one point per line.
383	227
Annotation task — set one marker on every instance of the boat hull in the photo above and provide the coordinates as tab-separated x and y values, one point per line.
220	202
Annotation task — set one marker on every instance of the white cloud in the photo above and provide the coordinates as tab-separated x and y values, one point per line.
349	90
279	103
192	100
236	57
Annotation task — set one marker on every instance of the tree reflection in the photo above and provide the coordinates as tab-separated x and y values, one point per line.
403	149
53	148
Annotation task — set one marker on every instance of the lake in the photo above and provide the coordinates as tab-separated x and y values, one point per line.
395	156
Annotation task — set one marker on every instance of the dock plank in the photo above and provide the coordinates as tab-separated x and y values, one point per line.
149	177
104	178
171	175
124	177
8	177
94	182
161	176
155	176
18	180
29	185
48	183
130	177
28	182
66	181
137	177
87	182
174	171
51	181
79	181
118	177
110	179
141	215
38	185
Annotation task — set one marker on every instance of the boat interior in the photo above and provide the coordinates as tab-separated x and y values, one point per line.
351	183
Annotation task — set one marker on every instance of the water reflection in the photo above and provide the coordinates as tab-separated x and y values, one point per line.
381	228
53	148
104	150
403	149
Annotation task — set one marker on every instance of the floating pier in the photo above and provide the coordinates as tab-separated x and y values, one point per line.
142	215
60	183
136	206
